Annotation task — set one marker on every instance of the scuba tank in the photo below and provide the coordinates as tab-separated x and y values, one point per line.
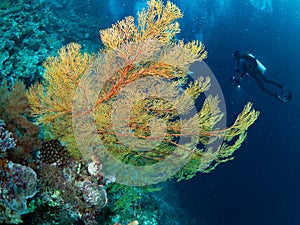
260	66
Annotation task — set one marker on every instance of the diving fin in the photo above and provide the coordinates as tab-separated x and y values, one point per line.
286	97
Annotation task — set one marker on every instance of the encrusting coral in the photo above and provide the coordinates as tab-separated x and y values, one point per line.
133	53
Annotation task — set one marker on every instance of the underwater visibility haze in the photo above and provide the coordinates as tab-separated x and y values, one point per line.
150	112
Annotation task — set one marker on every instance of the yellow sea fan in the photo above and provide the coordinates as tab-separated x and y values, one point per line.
158	21
54	97
155	22
122	32
133	53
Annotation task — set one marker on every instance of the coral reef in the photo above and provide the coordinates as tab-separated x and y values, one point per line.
29	36
83	185
14	110
6	140
72	189
18	183
23	45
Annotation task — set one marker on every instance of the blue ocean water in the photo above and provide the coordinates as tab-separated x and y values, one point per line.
262	184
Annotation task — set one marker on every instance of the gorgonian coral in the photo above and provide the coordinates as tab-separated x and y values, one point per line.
137	128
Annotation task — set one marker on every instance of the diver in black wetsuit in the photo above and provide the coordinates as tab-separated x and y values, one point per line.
248	65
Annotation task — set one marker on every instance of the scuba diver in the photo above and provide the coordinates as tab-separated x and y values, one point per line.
248	65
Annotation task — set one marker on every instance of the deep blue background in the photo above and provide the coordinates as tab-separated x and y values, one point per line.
262	185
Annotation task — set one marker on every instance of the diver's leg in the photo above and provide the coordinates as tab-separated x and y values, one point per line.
270	81
260	81
283	97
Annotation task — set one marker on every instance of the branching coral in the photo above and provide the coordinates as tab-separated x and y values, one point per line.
137	58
